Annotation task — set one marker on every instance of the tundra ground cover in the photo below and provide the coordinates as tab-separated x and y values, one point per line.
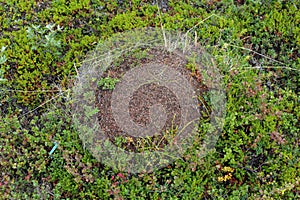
255	46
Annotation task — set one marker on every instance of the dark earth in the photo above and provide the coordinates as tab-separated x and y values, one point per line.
146	96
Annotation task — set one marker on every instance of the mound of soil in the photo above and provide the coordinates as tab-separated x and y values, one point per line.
146	96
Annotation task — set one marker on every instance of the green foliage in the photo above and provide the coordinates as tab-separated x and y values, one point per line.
1	76
44	37
2	61
2	56
107	83
255	45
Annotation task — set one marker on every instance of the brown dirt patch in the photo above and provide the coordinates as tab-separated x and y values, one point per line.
146	96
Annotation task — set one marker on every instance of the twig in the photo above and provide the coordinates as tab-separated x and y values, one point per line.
232	45
203	21
268	67
40	105
33	91
76	69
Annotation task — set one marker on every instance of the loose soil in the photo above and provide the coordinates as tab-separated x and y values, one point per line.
146	96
